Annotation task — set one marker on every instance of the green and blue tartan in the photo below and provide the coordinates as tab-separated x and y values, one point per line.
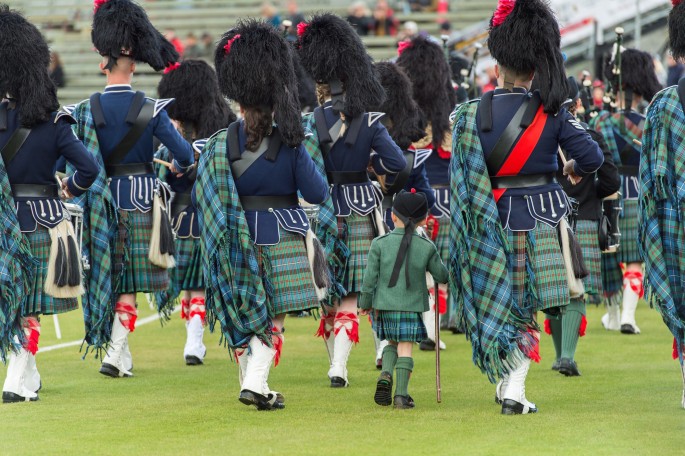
38	301
337	252
442	241
100	220
16	269
480	282
236	293
587	232
662	210
399	326
287	266
628	252
357	232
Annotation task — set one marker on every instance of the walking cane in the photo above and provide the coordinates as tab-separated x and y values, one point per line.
437	344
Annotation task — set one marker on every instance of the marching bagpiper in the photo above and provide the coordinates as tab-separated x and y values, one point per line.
127	230
33	136
507	210
261	260
634	80
345	137
661	229
200	110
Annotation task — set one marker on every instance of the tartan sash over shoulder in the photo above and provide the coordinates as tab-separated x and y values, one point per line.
479	279
235	293
16	269
99	240
661	227
337	252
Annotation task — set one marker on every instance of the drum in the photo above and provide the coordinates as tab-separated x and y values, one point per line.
76	213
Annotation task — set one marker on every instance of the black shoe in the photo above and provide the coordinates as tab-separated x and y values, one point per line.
568	367
262	403
628	329
111	371
427	345
456	330
511	407
383	394
379	364
193	361
555	365
338	382
10	398
404	402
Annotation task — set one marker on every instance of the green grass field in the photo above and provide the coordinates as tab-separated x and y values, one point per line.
626	402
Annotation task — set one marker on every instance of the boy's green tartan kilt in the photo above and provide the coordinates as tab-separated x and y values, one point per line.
587	232
628	251
541	248
38	301
357	232
131	255
187	275
399	326
286	267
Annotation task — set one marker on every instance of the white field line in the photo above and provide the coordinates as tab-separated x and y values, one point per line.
76	343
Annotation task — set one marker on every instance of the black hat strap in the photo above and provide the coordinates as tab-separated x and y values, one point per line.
337	94
403	253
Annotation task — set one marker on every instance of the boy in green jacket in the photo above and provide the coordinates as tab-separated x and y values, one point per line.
395	287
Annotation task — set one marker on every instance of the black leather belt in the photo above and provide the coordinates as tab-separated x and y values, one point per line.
627	170
35	191
344	177
522	181
264	203
130	169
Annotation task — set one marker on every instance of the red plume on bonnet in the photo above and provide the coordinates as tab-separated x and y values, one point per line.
402	45
676	2
301	28
98	4
504	9
227	48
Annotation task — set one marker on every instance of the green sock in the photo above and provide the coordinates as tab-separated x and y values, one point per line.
403	367
555	325
389	359
571	323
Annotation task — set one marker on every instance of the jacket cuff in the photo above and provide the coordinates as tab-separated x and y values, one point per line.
365	300
74	188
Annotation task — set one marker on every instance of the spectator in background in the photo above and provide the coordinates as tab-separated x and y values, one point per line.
598	93
207	45
676	70
417	6
359	17
170	35
270	14
56	71
384	22
409	30
193	50
295	17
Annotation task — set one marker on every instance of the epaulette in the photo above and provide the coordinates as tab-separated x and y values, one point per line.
215	135
160	104
420	156
69	109
63	113
374	116
200	144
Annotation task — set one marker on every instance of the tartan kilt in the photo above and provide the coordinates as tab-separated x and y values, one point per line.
131	255
286	267
356	232
587	232
399	326
612	274
540	247
628	251
442	241
187	275
38	301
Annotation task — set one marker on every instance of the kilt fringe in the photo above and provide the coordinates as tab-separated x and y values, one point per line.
162	237
64	264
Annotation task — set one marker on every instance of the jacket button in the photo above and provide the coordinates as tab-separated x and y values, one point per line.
271	209
130	178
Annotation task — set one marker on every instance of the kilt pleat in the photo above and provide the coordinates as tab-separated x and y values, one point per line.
587	232
539	250
357	232
38	301
131	255
187	275
628	251
287	269
399	326
442	241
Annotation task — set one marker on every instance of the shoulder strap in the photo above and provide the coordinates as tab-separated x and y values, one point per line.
403	176
325	140
241	162
96	111
274	145
3	116
130	139
681	92
506	141
232	143
136	106
14	144
353	132
485	108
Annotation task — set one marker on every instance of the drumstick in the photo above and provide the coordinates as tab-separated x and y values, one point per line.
564	161
162	162
637	142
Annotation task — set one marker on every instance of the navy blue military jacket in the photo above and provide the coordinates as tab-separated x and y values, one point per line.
374	145
35	163
293	170
417	180
136	193
521	208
